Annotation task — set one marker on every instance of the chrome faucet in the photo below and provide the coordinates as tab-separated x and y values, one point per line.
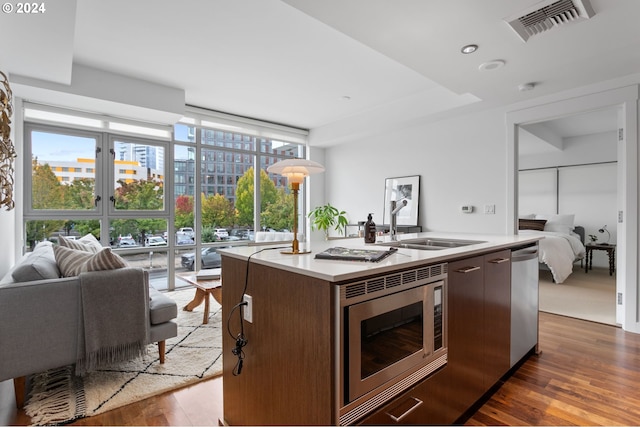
393	222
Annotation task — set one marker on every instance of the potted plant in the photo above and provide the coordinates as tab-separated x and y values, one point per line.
326	216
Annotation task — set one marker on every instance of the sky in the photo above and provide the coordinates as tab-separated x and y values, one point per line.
68	148
58	147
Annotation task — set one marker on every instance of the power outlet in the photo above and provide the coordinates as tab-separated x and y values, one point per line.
247	310
489	209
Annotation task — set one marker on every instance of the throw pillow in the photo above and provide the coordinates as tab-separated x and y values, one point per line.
86	243
531	224
39	265
72	262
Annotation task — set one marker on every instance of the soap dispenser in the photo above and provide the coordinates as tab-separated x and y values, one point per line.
370	230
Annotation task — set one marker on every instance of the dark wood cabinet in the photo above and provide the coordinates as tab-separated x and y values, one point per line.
497	316
466	332
424	404
479	316
479	326
289	356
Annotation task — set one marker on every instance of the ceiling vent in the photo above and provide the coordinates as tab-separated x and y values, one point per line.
549	14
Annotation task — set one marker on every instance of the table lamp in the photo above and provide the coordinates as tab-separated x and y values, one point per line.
603	230
295	170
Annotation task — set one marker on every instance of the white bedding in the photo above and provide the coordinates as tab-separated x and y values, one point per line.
558	251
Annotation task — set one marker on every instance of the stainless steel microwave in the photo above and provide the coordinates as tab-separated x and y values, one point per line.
392	339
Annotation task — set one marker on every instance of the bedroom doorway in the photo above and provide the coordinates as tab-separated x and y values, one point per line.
624	102
568	166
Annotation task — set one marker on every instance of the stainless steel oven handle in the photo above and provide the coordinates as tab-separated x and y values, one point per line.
415	406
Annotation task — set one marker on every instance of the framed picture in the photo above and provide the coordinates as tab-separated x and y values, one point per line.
399	189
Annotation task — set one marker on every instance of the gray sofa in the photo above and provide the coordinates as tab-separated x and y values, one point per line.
41	315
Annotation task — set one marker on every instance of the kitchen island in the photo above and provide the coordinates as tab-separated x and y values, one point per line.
286	362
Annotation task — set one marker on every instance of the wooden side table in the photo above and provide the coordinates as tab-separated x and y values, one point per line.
204	288
611	251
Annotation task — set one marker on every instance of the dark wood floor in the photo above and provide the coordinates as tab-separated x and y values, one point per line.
587	374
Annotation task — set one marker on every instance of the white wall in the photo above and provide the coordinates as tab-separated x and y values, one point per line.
7	231
9	247
595	148
471	160
461	161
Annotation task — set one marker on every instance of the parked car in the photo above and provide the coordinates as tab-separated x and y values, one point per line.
210	258
184	240
155	241
221	233
186	231
127	242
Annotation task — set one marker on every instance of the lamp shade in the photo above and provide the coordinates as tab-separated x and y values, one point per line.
295	169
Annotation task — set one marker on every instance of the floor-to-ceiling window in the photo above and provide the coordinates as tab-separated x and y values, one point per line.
165	198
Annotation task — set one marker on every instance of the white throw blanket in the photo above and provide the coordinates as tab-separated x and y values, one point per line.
558	251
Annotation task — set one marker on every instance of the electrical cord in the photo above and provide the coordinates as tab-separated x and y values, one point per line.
241	339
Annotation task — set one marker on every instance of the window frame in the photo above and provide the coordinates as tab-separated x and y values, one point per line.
248	138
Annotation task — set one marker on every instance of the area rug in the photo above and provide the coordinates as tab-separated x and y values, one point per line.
588	296
59	397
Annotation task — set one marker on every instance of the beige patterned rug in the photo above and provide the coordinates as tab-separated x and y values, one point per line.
58	397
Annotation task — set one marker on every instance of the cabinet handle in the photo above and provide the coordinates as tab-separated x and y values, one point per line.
499	260
465	270
417	403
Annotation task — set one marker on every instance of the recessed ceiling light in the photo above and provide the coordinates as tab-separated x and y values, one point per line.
526	86
492	65
470	48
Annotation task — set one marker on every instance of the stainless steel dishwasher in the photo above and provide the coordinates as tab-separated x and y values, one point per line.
524	301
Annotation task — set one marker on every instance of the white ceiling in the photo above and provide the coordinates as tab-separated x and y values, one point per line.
295	61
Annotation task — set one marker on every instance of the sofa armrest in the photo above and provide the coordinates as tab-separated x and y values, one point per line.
38	325
39	322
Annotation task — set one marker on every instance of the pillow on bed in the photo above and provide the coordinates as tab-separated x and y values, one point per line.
558	223
531	224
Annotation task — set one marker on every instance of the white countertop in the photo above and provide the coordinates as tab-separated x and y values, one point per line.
337	271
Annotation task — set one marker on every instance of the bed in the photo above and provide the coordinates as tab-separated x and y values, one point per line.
563	243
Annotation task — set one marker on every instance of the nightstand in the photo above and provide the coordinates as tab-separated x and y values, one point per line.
611	251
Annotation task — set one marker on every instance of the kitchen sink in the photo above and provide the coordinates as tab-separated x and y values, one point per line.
430	243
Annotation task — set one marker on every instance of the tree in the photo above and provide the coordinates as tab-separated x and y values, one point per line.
217	210
279	215
184	211
244	196
40	230
84	227
80	194
144	194
124	227
47	192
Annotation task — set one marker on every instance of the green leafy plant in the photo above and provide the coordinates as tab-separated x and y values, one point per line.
327	216
593	238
